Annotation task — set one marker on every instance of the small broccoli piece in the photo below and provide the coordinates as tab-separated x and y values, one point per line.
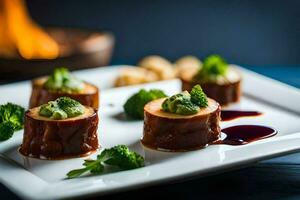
155	93
213	65
134	106
7	130
198	97
61	108
122	157
11	120
119	156
63	81
13	113
186	103
180	104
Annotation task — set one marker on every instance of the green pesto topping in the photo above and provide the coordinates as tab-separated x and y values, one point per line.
63	81
61	108
213	66
186	103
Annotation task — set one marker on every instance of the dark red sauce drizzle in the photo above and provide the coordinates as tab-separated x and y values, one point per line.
244	134
227	115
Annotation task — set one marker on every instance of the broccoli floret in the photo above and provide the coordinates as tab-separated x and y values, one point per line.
134	106
198	97
119	156
122	157
11	119
213	66
186	103
61	108
180	104
13	113
63	81
7	130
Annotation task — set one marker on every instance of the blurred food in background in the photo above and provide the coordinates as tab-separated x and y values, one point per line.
19	34
187	66
27	50
219	80
159	65
156	68
134	75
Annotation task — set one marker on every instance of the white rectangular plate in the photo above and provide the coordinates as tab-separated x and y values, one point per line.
40	179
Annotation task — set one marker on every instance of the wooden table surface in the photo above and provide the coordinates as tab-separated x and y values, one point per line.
278	178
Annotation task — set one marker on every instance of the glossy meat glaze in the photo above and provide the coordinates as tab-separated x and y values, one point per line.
172	132
58	139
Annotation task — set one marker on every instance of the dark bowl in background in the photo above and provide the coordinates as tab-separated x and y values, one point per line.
79	49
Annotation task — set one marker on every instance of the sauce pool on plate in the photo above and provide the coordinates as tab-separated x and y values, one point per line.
244	134
227	115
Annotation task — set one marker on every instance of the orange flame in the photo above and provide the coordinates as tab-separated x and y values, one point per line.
20	34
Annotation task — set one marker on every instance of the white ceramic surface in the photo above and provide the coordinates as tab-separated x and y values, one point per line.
40	179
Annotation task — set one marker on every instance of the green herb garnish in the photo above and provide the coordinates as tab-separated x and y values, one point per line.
213	66
186	103
134	106
11	120
119	156
61	108
63	81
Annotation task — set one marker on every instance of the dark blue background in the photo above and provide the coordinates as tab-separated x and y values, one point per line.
252	33
245	32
